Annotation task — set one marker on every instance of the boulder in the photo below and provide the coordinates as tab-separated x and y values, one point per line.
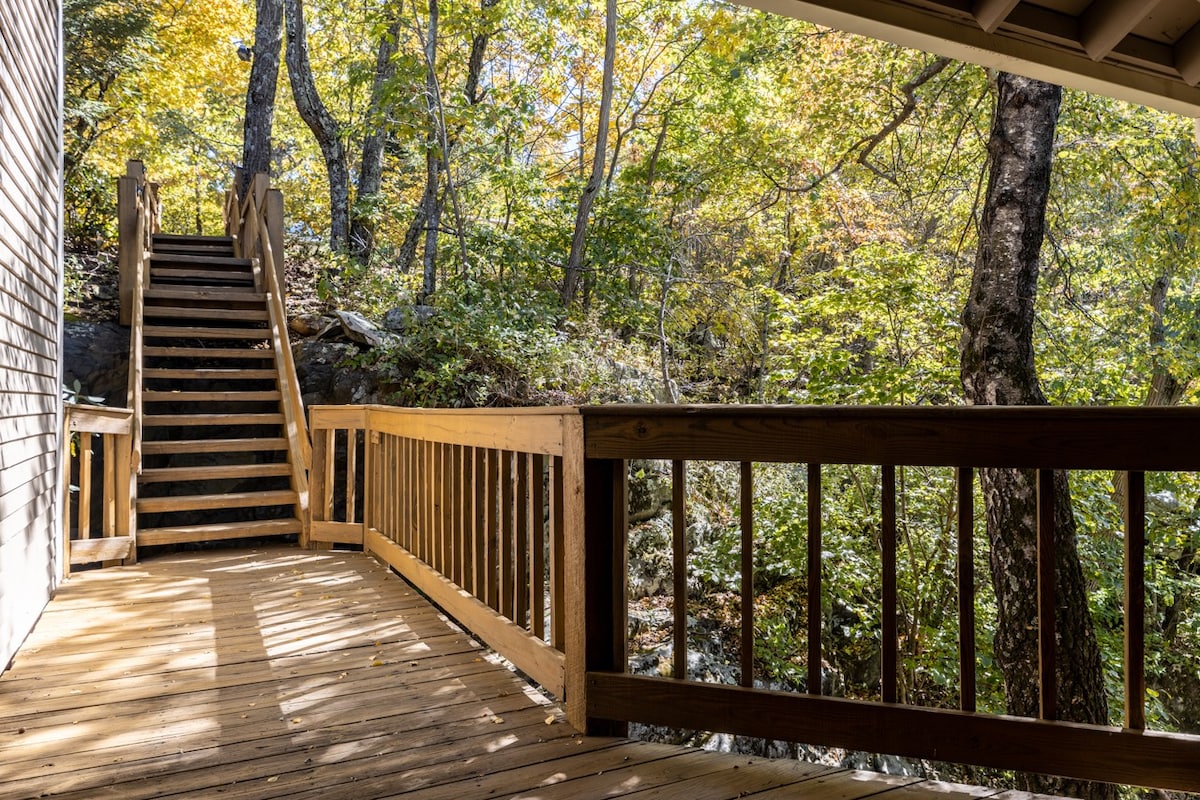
97	355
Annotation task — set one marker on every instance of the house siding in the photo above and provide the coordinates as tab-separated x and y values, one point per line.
30	320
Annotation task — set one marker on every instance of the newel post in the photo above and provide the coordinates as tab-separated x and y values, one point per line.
127	238
595	525
274	219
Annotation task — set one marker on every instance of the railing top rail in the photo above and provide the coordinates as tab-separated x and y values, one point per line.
524	411
1036	437
99	419
886	411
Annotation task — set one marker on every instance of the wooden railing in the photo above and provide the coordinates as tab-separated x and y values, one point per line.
138	213
455	501
256	225
82	543
470	507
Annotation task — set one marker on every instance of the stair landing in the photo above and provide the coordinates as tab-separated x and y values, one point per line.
283	673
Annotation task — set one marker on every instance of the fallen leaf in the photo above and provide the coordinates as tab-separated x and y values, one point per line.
377	663
497	720
297	720
272	779
550	720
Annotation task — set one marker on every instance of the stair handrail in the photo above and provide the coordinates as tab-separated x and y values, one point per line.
255	224
138	217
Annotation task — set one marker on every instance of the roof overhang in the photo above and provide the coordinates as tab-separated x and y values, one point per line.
1142	51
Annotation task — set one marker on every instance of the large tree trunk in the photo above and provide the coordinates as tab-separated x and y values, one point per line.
370	173
324	127
431	206
574	267
260	95
997	368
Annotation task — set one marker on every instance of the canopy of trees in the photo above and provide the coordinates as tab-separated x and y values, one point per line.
682	202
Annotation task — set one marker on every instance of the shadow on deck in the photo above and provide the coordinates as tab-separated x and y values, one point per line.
279	672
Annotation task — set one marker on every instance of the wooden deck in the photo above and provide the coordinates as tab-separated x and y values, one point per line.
277	672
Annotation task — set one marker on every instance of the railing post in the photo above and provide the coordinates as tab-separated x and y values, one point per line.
274	218
595	521
128	253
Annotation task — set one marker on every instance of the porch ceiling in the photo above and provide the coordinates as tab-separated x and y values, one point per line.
1143	51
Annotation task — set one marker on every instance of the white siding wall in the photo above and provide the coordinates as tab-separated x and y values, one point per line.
30	322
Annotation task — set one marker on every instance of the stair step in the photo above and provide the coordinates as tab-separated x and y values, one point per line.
175	446
200	261
234	314
189	420
225	530
188	248
212	374
192	274
204	502
213	473
192	238
206	352
235	292
218	293
171	396
180	332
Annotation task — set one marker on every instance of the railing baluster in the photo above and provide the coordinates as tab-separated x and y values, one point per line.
446	512
1135	601
432	504
679	555
493	529
814	579
507	517
537	546
558	618
109	515
966	588
747	575
1047	591
889	656
85	485
521	542
463	543
479	522
399	496
351	474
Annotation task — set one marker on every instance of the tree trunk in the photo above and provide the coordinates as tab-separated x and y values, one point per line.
431	207
997	368
370	173
574	267
260	95
324	127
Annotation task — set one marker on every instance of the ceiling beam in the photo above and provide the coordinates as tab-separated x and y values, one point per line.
990	13
1187	56
1106	22
900	22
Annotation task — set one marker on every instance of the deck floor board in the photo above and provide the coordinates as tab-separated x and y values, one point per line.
281	673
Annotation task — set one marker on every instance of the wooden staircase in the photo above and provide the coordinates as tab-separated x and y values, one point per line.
214	447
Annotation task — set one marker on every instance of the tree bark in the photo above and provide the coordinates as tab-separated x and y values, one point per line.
260	95
370	173
574	267
431	207
997	368
324	127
